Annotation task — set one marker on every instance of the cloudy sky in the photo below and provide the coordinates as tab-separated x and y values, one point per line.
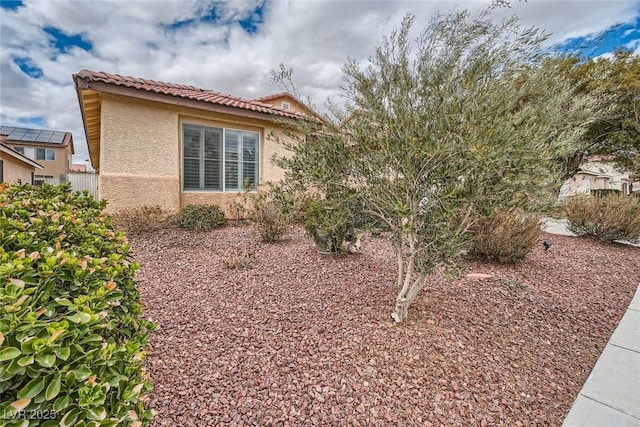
231	47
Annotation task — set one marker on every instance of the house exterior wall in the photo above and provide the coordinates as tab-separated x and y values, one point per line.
140	158
14	170
600	176
54	168
617	178
293	104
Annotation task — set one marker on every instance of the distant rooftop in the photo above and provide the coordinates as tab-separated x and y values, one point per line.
33	135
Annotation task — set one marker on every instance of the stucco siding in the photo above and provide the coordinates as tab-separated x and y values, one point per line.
127	191
14	170
224	200
272	173
138	137
141	158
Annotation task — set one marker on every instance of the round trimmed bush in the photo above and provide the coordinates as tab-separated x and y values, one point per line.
507	236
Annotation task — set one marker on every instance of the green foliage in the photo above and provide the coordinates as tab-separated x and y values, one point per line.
144	219
506	236
201	217
71	333
440	132
270	216
615	130
605	219
277	206
605	192
328	223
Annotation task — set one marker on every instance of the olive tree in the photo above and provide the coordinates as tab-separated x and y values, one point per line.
438	131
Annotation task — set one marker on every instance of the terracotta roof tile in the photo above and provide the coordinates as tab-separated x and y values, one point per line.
276	96
187	92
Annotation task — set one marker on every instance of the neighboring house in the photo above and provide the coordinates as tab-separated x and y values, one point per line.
16	167
156	143
78	167
598	173
51	149
287	102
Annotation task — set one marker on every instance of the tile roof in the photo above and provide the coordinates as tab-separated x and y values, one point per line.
185	91
276	96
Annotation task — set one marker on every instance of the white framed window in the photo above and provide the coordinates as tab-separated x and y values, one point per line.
285	105
25	151
219	159
45	154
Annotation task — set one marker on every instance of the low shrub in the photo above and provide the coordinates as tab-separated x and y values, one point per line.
293	201
606	192
139	220
270	217
239	211
201	217
507	236
605	219
72	339
240	261
328	223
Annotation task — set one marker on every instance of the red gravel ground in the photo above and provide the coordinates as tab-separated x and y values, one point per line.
304	339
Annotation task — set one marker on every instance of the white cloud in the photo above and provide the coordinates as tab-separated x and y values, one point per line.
313	37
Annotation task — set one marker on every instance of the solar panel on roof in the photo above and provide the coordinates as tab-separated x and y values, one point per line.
58	137
36	135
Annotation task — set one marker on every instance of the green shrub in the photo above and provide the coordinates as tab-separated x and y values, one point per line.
270	217
606	192
507	236
328	223
72	339
605	219
139	220
201	217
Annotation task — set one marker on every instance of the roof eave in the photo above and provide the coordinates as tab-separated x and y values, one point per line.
6	149
81	84
177	100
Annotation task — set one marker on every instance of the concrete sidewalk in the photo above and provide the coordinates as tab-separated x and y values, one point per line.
611	394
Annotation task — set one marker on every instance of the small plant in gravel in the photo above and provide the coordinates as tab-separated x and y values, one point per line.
270	219
506	236
240	261
239	212
72	339
275	208
201	217
606	219
143	219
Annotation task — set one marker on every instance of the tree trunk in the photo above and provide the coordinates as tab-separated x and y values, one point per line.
401	311
406	296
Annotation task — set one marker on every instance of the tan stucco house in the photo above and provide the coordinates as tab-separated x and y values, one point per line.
51	149
598	173
156	143
16	167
